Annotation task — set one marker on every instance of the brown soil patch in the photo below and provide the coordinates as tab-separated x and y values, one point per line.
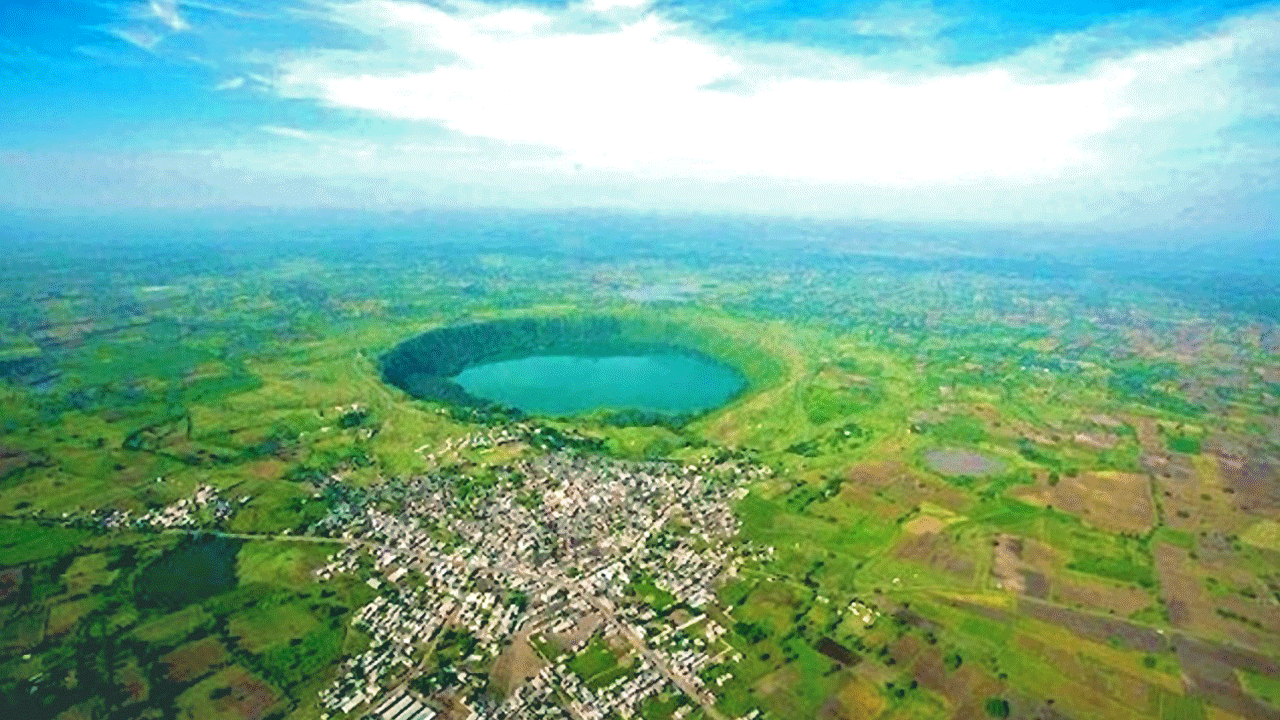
233	693
194	659
246	696
1214	548
134	683
1253	482
938	552
267	469
1182	594
1096	440
1040	556
1036	584
1006	564
13	459
1195	495
580	632
1147	430
900	487
1112	501
776	685
516	664
1120	599
1191	607
1204	497
1209	670
1094	627
924	525
65	615
857	699
1262	615
968	688
929	671
10	583
836	651
905	649
1178	469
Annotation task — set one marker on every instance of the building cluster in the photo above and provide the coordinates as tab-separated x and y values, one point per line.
505	434
540	547
398	627
204	507
621	697
865	612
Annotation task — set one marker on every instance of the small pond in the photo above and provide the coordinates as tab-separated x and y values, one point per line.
955	461
196	569
670	383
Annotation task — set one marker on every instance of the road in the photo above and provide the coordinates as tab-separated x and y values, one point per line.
602	605
678	679
606	610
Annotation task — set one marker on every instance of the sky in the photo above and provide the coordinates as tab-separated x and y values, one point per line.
1116	115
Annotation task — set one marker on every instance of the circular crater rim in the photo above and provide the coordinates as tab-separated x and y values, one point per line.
424	366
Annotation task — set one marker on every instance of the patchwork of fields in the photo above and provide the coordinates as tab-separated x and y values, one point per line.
1022	503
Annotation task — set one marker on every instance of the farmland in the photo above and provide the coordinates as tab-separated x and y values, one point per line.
953	488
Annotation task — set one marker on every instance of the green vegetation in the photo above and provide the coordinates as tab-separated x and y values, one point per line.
1111	445
997	707
422	366
1122	569
1265	687
644	589
1173	706
291	665
22	543
597	665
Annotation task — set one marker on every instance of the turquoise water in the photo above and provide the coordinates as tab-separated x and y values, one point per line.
668	383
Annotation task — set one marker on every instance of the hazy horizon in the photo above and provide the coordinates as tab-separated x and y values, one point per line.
1073	115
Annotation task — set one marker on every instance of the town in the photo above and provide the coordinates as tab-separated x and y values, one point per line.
563	552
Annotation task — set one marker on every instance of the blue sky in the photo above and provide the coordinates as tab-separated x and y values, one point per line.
1107	115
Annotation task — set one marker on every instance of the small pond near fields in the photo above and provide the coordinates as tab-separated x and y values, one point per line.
955	461
197	569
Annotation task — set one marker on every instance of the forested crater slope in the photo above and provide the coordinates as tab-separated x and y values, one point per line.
423	366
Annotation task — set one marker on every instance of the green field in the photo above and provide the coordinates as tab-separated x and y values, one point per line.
1115	498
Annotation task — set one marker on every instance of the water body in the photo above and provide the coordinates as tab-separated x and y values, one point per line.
194	571
954	461
666	382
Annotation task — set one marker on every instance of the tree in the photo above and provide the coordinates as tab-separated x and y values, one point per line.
997	707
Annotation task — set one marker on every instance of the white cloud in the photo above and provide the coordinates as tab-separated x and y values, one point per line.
222	9
644	95
146	24
908	20
234	83
612	95
289	132
604	6
166	11
140	37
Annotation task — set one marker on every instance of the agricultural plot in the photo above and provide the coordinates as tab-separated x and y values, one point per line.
949	491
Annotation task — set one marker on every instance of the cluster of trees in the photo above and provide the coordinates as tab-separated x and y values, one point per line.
448	351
